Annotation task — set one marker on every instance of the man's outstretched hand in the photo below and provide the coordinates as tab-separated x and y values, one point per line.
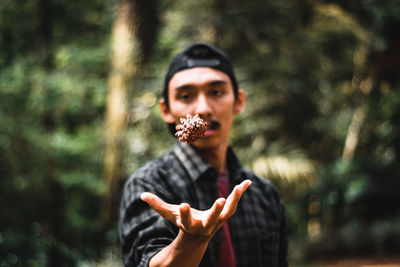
195	222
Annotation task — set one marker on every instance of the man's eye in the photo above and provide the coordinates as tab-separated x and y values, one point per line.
216	92
185	97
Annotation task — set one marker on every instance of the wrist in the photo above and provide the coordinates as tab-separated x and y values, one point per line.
188	239
186	250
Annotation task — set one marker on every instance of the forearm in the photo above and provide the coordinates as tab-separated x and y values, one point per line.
185	251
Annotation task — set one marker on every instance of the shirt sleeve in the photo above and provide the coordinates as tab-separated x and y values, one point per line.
143	232
283	242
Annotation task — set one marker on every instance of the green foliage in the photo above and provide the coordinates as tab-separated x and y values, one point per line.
50	164
51	147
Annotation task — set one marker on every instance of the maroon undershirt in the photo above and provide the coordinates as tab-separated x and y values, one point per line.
226	255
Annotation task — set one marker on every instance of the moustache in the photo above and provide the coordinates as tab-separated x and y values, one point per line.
213	125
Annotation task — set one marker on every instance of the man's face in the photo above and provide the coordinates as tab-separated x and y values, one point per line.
209	93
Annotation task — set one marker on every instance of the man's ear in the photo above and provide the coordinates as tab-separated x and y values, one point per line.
240	102
165	112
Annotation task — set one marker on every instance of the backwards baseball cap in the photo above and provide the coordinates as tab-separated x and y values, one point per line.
200	55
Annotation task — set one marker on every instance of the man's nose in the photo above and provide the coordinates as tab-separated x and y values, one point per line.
203	107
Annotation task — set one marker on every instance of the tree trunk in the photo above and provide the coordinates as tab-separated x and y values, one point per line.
365	86
124	58
44	23
133	35
353	134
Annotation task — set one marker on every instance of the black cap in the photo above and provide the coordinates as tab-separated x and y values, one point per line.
200	55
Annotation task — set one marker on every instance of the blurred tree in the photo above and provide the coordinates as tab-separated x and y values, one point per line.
50	122
133	33
123	67
44	31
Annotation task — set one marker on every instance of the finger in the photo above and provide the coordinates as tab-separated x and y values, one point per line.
237	191
214	213
185	216
233	199
164	209
244	185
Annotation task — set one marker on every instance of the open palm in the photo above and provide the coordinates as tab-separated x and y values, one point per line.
197	222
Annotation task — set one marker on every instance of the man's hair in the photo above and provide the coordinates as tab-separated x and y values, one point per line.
199	55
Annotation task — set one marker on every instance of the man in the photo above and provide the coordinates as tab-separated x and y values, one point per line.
175	210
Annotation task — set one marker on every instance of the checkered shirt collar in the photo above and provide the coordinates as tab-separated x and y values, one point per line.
196	165
191	160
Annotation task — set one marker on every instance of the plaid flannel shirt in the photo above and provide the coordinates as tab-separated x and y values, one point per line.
258	227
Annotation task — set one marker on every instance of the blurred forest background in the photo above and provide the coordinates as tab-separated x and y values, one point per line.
79	88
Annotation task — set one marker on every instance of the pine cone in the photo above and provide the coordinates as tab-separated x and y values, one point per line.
191	129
